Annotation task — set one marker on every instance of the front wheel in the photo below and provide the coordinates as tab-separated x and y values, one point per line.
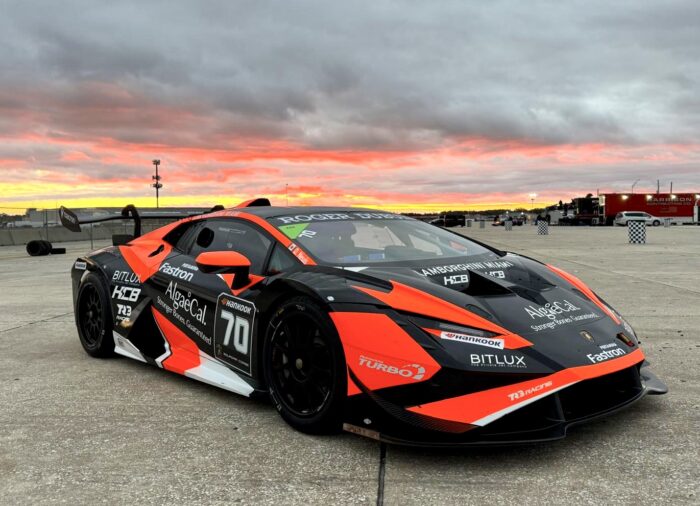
304	367
656	223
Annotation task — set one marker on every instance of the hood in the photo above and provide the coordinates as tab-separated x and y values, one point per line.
522	296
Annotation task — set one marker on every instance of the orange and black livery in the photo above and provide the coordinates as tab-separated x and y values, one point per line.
362	320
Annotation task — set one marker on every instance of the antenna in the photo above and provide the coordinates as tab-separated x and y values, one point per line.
157	185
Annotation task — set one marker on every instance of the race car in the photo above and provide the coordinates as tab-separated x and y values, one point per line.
362	320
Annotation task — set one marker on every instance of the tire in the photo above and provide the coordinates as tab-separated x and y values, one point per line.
656	223
38	248
93	317
304	367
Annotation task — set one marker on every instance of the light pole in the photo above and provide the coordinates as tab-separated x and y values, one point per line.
533	196
634	184
157	185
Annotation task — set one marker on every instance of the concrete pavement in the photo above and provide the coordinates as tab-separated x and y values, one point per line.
77	430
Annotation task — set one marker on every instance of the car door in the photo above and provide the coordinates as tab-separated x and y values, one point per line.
219	320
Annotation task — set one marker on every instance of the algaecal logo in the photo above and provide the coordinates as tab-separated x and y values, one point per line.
551	310
413	371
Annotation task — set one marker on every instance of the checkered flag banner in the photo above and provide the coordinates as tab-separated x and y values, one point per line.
542	228
509	225
482	224
637	231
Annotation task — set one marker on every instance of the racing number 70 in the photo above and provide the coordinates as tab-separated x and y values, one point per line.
241	331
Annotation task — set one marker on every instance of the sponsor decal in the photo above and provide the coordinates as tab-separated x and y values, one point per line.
190	267
176	272
456	279
123	312
127	277
473	266
298	252
233	325
81	266
186	302
233	303
127	293
497	274
551	310
68	216
413	371
293	230
521	394
496	360
609	350
307	218
489	342
558	313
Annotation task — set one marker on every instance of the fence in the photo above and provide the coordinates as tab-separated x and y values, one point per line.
17	228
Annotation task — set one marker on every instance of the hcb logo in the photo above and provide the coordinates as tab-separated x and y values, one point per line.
126	293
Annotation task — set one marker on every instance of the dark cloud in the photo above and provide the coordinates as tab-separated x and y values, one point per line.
382	77
368	75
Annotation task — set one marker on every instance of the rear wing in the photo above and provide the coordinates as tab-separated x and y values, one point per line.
71	221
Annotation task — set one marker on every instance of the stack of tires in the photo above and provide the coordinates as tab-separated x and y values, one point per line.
43	248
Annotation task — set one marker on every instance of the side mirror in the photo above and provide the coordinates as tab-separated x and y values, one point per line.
225	262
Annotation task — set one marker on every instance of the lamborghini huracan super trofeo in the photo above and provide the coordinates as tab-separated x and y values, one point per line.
362	320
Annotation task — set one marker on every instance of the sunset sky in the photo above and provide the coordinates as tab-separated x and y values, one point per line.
398	105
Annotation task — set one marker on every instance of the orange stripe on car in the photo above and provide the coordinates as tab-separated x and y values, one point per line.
184	352
379	352
587	291
484	407
137	256
412	300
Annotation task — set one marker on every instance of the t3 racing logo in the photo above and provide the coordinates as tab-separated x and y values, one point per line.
521	394
414	371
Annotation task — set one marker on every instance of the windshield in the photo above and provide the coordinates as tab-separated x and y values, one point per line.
352	238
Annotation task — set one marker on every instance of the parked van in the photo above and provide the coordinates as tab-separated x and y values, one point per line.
625	216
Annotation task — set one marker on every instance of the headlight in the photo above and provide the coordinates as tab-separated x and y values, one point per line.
450	330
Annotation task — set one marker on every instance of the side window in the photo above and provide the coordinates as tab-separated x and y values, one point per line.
233	235
186	237
281	260
182	236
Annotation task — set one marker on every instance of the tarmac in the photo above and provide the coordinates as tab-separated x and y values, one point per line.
78	430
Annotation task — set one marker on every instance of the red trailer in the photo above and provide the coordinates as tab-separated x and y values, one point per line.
680	207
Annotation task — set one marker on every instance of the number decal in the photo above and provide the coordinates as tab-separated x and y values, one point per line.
232	332
241	331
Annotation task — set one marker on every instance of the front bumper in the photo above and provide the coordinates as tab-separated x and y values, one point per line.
546	419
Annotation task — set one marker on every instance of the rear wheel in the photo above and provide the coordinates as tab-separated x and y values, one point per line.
304	367
93	316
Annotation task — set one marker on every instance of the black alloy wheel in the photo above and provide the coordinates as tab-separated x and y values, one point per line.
94	317
305	367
